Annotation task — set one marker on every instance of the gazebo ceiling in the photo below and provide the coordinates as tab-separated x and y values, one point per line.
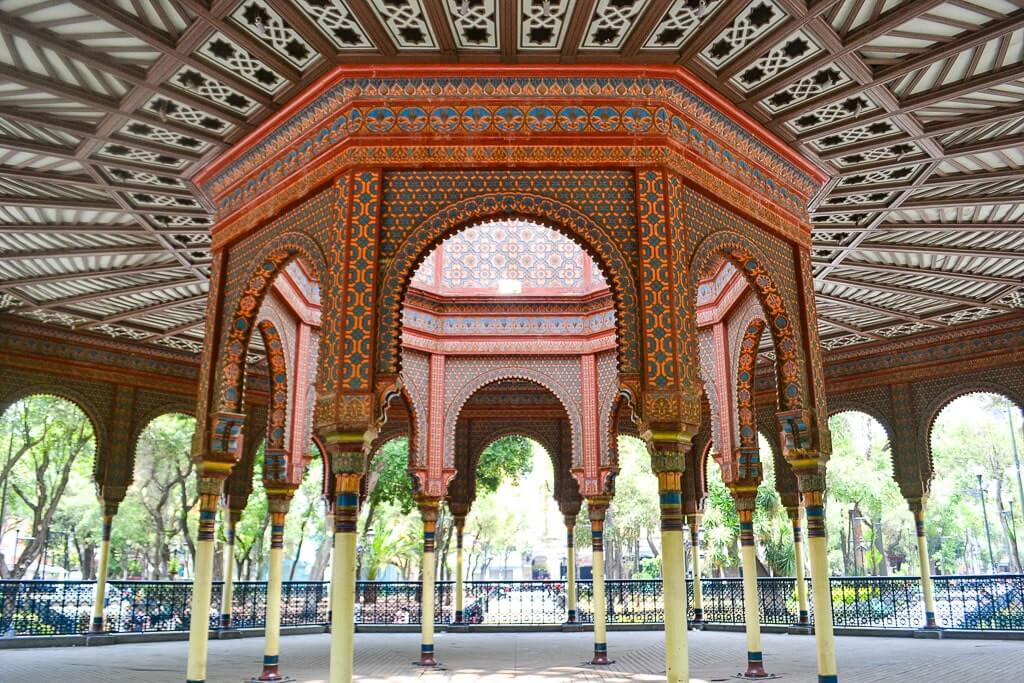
108	108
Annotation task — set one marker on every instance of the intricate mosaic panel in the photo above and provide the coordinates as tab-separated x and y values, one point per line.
269	27
830	113
224	52
203	86
795	49
362	268
611	22
481	256
422	208
749	25
659	340
335	18
464	376
406	22
768	265
601	106
680	21
277	424
542	23
474	23
821	81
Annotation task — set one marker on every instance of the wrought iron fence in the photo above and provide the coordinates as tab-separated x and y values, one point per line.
42	608
980	602
877	602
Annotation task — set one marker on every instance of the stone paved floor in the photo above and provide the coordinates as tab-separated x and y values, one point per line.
541	657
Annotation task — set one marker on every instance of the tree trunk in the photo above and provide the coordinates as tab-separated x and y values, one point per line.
1012	550
323	555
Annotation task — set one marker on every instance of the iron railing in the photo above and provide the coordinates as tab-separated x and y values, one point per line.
41	608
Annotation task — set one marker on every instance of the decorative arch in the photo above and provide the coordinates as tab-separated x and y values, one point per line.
279	253
169	408
752	263
952	393
453	408
846	405
277	418
91	411
543	211
746	364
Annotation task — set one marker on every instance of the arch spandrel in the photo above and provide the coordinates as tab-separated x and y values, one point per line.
406	248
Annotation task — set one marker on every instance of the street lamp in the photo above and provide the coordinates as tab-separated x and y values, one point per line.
984	513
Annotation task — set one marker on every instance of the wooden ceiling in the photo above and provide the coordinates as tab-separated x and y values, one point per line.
108	107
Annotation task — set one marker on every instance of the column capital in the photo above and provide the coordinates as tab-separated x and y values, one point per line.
570	521
597	507
429	507
917	504
793	512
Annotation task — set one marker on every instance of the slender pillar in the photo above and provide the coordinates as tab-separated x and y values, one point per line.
570	568
803	619
817	551
698	592
751	600
917	507
278	504
597	507
202	583
429	508
460	596
227	596
343	576
100	598
677	666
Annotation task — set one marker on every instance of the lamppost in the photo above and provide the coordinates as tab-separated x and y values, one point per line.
984	514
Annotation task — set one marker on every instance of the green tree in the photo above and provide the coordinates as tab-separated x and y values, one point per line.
50	446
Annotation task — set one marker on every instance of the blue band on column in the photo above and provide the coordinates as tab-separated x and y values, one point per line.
829	678
755	657
427	649
270	659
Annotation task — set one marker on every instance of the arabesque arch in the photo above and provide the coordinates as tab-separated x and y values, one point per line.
543	211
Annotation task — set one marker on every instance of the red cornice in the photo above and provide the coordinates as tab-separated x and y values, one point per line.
678	73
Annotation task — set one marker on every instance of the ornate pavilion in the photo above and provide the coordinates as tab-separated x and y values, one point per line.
341	221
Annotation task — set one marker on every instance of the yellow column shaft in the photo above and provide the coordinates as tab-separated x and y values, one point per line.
272	632
228	593
429	509
674	586
459	588
343	577
926	576
698	592
751	600
202	582
817	550
600	602
100	598
343	604
570	579
798	553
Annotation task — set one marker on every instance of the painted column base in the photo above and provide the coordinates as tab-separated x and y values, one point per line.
571	618
101	638
800	630
755	667
270	671
601	655
831	678
229	633
458	617
426	656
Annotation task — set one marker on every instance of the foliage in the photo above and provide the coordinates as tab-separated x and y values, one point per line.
154	523
49	445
